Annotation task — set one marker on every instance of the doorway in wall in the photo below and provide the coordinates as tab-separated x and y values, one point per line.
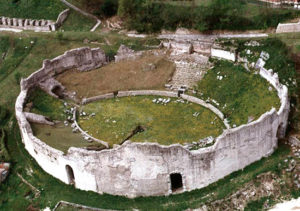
70	174
176	182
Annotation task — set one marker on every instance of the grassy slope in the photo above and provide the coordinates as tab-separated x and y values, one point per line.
78	22
244	94
173	123
280	61
31	9
46	105
49	10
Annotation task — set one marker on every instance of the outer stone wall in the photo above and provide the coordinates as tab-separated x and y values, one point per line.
143	169
35	25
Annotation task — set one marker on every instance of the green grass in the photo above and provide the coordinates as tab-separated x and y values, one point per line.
245	94
174	123
14	52
61	137
280	60
256	205
49	10
78	22
46	105
34	9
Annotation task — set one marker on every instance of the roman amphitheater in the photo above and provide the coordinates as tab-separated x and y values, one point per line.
135	159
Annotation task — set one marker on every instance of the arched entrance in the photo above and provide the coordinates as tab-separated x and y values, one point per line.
70	174
176	182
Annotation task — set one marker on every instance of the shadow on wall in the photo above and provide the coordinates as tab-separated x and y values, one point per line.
70	175
176	182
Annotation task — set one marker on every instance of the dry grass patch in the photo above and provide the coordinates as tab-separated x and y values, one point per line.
125	75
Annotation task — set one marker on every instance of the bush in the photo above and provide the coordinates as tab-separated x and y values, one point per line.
152	16
59	35
18	77
109	8
3	114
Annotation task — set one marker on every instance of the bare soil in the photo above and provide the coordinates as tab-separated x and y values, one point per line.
124	75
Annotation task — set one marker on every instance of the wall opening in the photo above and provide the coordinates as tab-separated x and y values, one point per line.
70	174
176	182
280	131
58	91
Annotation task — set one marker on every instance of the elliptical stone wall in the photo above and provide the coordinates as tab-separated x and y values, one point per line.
144	169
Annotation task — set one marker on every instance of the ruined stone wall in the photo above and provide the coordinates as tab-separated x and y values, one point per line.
288	27
35	25
223	54
194	46
83	59
278	2
143	169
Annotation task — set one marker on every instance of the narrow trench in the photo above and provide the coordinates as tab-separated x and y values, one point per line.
138	129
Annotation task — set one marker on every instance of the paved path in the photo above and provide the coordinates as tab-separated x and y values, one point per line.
83	13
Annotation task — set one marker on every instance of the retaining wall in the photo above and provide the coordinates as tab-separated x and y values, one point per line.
143	169
288	27
223	54
35	25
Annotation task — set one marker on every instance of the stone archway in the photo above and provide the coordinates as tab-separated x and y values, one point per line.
70	174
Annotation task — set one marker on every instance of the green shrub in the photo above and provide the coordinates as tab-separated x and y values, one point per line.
4	155
18	77
152	16
59	35
108	8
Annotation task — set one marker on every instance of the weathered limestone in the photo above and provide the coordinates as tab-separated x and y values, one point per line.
62	17
124	54
218	51
288	27
278	2
36	118
83	59
35	25
144	169
190	68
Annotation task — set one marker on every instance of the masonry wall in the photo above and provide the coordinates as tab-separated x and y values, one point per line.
143	169
35	25
288	27
223	54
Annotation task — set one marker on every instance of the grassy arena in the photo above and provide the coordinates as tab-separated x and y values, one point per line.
116	119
